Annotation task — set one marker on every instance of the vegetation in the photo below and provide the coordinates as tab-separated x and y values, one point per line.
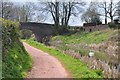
0	67
77	68
118	8
61	13
91	15
82	43
113	25
15	60
15	56
82	37
25	34
0	52
108	10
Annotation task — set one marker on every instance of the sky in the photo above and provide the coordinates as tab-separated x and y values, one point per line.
74	21
60	0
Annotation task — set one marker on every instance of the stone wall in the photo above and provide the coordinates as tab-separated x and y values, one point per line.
89	28
95	28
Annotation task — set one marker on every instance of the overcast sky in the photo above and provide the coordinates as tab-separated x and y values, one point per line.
74	21
60	0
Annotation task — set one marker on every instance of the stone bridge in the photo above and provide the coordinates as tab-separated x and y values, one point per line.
41	30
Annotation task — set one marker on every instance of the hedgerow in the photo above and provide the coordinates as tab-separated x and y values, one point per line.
15	60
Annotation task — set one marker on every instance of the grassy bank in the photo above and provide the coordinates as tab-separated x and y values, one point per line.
15	60
77	68
80	43
82	37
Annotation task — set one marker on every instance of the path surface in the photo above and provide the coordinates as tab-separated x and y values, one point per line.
44	65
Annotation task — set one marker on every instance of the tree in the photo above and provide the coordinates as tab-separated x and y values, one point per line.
26	12
39	18
103	5
61	12
110	10
118	9
6	9
69	9
22	13
91	15
54	10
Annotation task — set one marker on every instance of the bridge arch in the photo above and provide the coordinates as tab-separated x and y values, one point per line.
41	30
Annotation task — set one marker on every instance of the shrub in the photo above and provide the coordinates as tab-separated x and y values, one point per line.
25	34
33	37
15	60
112	25
9	33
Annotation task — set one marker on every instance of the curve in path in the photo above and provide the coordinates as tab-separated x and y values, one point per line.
44	65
